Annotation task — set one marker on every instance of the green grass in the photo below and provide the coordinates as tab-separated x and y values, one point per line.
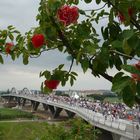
113	99
22	130
76	129
7	113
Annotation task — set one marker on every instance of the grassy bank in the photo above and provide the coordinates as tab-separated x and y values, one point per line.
71	130
7	113
22	130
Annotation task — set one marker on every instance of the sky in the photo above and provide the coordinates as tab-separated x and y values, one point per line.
21	14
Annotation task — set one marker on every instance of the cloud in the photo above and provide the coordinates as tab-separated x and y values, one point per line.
20	13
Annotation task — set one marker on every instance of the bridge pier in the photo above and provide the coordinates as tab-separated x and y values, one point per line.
18	101
51	108
10	99
45	106
23	103
70	114
116	136
34	105
57	112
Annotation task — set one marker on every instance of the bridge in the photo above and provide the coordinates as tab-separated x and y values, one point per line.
120	129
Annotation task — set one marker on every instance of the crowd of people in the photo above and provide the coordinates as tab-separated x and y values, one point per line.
110	111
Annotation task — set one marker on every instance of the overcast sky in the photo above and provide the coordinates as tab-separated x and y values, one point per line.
21	14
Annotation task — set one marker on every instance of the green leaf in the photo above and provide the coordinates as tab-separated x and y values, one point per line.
40	74
127	33
117	77
98	1
113	31
88	1
134	42
16	31
63	82
104	32
111	15
117	62
82	12
74	73
46	90
11	27
120	84
117	44
25	58
127	49
13	56
11	36
60	66
138	88
130	68
47	74
128	96
85	65
83	30
78	58
71	81
73	77
42	86
1	60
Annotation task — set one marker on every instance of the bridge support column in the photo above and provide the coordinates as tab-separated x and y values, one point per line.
70	114
34	105
51	108
18	101
45	106
115	136
24	101
57	112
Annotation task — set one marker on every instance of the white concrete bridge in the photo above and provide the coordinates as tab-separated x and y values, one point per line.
120	129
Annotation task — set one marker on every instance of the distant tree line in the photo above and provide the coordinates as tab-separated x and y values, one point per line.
4	92
101	97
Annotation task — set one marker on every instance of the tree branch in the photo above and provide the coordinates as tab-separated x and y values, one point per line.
105	75
125	55
71	65
33	55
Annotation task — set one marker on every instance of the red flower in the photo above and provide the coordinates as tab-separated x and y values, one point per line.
121	17
8	47
135	77
130	11
68	15
51	84
138	65
38	40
